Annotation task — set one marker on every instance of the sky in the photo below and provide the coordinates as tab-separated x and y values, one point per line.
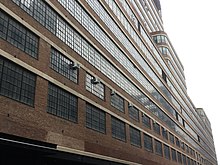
193	27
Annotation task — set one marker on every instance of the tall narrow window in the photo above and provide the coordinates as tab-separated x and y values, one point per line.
146	121
135	137
166	151
95	118
117	101
165	133
148	144
118	129
179	157
173	151
158	147
133	113
156	128
62	103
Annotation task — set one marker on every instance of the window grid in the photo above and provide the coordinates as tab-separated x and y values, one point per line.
179	157
61	103
117	102
95	118
16	82
62	65
146	121
156	127
158	147
118	129
173	151
166	151
148	143
133	113
96	89
135	137
18	35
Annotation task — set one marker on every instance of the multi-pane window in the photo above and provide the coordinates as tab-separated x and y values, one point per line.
63	65
118	129
165	133
16	82
117	102
148	143
62	103
158	147
173	152
184	159
18	35
177	142
166	151
94	86
135	137
133	113
171	136
188	160
95	118
156	127
179	157
146	121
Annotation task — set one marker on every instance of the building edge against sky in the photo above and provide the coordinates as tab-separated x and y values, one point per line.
95	82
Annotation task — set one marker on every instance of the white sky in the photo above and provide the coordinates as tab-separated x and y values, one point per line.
193	26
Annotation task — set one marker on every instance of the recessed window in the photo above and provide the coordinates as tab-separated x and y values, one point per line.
156	127
63	65
62	103
133	112
146	121
16	82
171	138
118	129
179	157
94	86
95	118
173	152
135	137
18	35
117	101
166	151
158	147
148	144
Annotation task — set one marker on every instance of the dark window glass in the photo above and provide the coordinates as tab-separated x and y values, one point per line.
63	65
182	145
94	86
171	138
135	137
146	121
158	147
177	142
118	129
95	118
184	159
179	157
148	144
62	103
16	82
3	25
165	133
173	151
188	160
18	35
40	11
51	22
166	151
117	102
156	128
133	113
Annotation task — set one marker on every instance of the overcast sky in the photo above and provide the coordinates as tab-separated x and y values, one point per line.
193	26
